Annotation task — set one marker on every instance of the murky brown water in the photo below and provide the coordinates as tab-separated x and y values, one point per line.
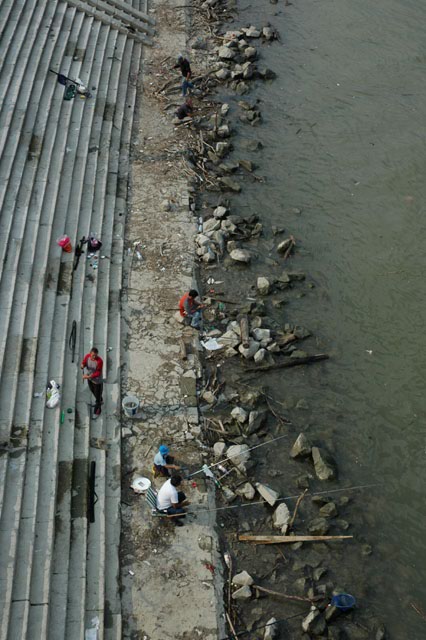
344	141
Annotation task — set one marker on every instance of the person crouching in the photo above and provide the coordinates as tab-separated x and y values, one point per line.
164	462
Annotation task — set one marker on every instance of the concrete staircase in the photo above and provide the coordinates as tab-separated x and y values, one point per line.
63	169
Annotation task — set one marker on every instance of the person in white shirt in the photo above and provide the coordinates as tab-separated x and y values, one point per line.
171	500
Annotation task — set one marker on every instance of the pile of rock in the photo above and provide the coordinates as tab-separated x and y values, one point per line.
216	235
237	56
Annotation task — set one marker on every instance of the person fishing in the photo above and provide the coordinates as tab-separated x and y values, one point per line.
163	462
185	69
171	500
93	364
185	110
191	309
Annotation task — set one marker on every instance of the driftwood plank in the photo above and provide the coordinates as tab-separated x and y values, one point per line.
288	539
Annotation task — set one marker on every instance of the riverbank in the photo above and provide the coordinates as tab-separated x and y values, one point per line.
248	276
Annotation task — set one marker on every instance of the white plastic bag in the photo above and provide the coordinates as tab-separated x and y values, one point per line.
53	395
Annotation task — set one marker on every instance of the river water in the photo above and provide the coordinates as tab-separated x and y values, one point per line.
343	129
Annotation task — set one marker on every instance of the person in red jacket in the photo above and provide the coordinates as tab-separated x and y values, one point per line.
191	309
93	365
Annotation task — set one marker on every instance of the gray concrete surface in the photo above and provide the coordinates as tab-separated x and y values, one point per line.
169	591
63	168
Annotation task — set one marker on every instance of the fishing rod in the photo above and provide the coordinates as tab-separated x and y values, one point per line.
263	626
211	466
311	493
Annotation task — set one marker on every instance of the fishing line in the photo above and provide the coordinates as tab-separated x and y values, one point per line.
263	626
315	493
241	453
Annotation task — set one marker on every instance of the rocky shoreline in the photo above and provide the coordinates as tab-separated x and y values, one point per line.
245	339
233	421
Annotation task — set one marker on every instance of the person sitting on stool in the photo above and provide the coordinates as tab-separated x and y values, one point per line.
163	462
171	500
191	309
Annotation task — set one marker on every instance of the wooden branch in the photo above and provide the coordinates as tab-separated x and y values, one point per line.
418	610
287	539
244	326
182	347
290	248
293	362
299	500
231	626
286	596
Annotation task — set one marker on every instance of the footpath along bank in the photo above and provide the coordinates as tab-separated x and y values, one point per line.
185	230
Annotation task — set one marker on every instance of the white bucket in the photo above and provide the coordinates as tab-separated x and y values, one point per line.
130	405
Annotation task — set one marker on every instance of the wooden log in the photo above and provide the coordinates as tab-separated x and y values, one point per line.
244	326
291	362
182	347
287	539
285	595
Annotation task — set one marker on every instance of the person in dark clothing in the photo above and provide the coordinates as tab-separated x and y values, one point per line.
93	364
185	69
185	110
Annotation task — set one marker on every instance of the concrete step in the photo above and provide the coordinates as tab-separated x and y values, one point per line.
20	168
11	13
22	57
54	578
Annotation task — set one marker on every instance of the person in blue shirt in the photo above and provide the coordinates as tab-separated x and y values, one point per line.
163	462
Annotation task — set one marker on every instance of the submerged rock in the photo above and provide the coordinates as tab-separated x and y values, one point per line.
230	184
324	466
318	527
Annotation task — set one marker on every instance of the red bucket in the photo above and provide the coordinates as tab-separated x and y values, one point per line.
65	243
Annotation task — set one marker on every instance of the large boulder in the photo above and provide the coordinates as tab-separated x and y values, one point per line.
255	422
239	414
324	465
220	212
248	352
314	623
240	255
263	286
238	453
243	579
262	335
243	593
271	630
301	448
267	493
246	491
230	339
219	449
281	518
225	53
